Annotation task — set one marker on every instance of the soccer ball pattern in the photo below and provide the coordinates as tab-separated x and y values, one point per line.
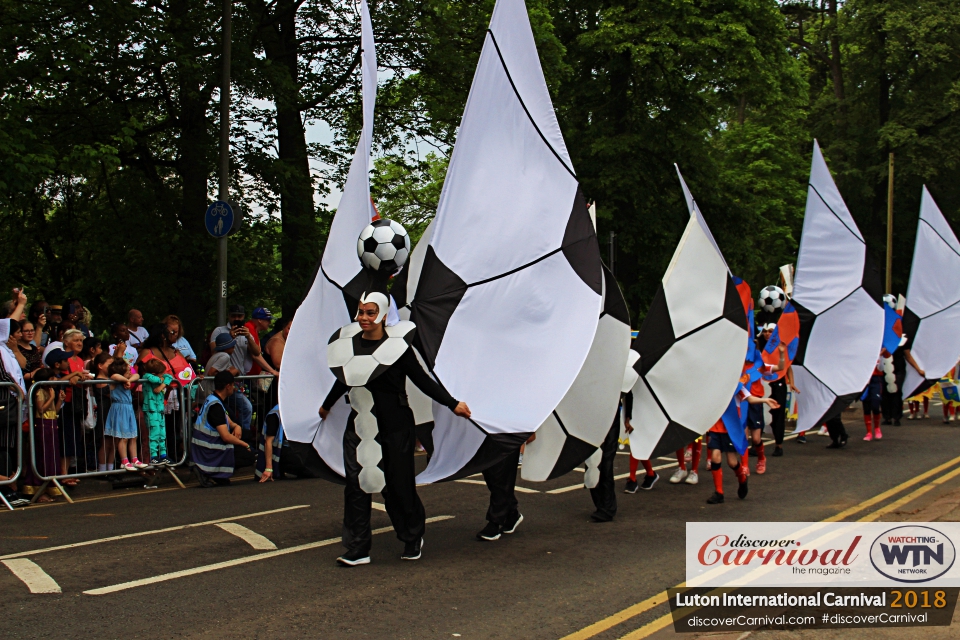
695	322
890	300
384	246
772	299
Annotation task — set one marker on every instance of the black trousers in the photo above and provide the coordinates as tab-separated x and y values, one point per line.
604	495
836	429
891	405
501	479
778	417
399	495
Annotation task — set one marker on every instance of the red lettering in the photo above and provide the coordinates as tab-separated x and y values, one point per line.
773	554
804	553
790	557
853	545
705	550
826	554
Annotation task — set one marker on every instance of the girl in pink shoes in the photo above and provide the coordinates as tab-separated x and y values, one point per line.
122	421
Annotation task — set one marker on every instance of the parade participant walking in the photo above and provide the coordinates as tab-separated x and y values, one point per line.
380	413
503	515
720	443
216	438
681	474
871	400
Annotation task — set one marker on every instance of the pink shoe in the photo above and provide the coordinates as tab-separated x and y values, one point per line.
868	437
877	434
139	465
129	466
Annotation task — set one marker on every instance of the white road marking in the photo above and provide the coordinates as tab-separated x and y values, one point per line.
254	539
516	488
378	506
147	533
32	575
232	563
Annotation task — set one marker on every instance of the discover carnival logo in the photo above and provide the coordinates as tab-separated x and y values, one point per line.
912	554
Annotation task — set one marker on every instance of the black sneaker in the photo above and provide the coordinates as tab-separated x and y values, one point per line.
490	532
510	527
801	439
834	445
777	452
631	487
896	423
411	550
354	558
716	498
742	490
649	481
843	440
596	516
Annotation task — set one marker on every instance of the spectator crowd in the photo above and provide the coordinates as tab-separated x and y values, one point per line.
121	400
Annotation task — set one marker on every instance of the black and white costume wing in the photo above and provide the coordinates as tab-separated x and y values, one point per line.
306	378
695	330
403	291
837	295
932	315
577	427
509	294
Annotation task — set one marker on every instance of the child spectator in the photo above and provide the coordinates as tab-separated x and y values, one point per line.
155	381
47	402
121	421
106	454
92	347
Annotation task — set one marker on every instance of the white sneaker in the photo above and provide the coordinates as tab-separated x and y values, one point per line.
692	478
678	476
823	431
129	466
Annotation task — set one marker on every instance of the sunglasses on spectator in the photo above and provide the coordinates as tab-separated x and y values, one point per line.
28	330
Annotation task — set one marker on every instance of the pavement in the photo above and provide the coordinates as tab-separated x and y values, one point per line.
258	560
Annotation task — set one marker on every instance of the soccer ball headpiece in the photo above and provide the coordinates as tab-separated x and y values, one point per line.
771	299
383	246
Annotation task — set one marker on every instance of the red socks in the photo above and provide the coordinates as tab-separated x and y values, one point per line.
868	422
648	467
634	463
717	471
876	421
759	450
695	463
681	452
741	472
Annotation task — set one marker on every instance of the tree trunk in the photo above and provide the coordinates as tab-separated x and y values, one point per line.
300	242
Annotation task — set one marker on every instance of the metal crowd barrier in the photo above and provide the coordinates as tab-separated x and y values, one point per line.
73	444
248	407
11	435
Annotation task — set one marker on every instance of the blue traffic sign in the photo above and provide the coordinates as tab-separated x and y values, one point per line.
219	219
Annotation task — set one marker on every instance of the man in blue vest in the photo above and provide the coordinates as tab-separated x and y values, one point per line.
215	436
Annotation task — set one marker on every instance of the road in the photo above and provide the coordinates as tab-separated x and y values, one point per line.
258	561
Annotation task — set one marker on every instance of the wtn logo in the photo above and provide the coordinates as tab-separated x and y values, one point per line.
900	554
912	554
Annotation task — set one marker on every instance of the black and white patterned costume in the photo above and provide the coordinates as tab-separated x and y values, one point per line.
379	440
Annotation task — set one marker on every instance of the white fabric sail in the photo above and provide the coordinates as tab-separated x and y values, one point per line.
932	314
695	323
837	294
509	295
305	378
577	427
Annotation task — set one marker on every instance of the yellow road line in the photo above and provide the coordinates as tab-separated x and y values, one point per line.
846	513
661	598
910	497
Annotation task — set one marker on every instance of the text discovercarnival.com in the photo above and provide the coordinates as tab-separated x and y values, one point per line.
798	575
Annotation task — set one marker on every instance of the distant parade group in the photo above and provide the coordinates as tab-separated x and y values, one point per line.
502	335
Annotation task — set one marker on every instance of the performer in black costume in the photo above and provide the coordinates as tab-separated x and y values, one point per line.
891	405
379	439
604	495
503	514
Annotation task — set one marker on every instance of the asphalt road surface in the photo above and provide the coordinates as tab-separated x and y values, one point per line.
258	561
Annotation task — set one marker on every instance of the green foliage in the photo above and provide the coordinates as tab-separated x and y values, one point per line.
109	116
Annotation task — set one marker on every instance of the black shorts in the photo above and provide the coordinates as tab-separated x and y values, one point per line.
721	441
755	417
